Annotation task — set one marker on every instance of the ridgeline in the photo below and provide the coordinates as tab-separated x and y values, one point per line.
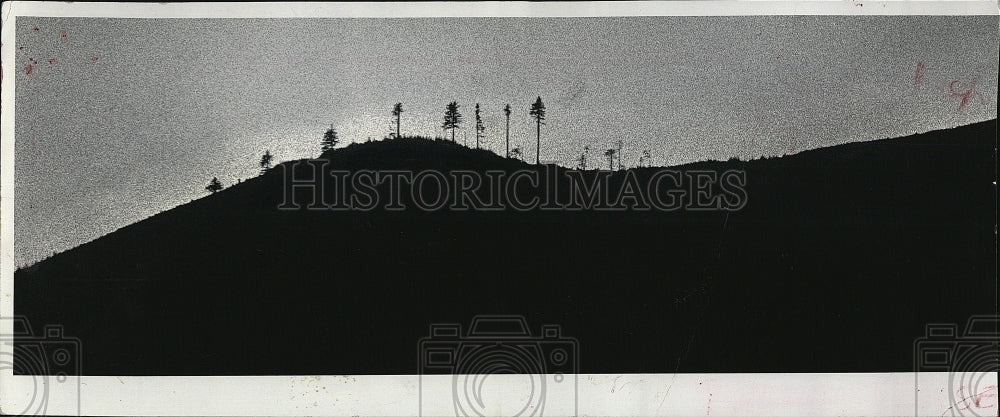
833	263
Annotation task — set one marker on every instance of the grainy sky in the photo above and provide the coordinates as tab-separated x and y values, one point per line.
119	119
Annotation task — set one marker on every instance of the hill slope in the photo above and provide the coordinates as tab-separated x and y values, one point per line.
835	263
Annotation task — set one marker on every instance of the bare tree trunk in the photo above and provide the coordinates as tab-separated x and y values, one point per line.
538	140
619	153
452	134
397	126
508	136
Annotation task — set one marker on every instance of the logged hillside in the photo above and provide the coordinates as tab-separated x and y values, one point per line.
838	257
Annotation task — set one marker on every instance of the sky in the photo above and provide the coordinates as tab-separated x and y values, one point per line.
119	119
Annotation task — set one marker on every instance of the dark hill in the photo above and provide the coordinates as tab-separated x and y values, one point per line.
837	260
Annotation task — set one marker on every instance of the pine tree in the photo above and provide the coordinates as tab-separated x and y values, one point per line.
397	111
610	153
452	118
330	139
538	112
214	186
506	112
265	161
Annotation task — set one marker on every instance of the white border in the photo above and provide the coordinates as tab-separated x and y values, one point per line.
501	9
629	394
793	395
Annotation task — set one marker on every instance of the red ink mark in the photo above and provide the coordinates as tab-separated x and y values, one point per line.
969	401
28	69
709	411
62	34
964	95
52	60
93	59
34	29
920	73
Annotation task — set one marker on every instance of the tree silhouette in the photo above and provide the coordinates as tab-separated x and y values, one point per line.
330	139
397	110
452	118
265	161
516	153
610	153
479	126
583	158
213	186
619	153
506	112
538	112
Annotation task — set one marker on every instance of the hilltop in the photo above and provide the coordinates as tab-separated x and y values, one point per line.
832	265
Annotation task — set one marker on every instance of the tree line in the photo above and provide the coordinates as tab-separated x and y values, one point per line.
453	119
266	161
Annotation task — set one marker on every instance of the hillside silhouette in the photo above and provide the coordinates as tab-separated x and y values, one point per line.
837	260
